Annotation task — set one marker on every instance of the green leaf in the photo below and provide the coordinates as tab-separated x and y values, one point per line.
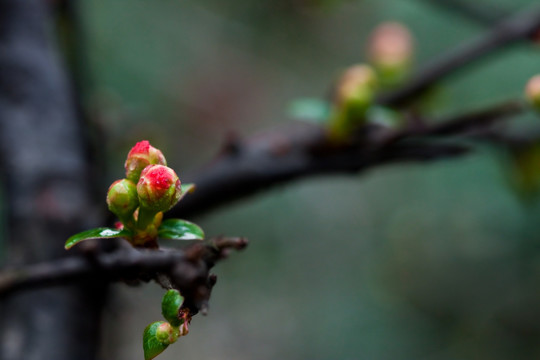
98	233
172	300
178	229
186	189
151	345
313	110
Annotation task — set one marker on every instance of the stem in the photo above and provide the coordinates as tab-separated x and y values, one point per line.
145	219
516	28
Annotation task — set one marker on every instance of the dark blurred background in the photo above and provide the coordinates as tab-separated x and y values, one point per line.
431	261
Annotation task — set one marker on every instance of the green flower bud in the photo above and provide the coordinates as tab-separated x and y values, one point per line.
122	199
139	157
532	91
166	334
354	94
158	188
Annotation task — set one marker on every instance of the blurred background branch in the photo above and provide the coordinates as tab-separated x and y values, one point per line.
483	12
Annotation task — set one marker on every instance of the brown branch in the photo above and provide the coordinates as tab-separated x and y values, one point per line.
186	270
288	154
302	150
519	27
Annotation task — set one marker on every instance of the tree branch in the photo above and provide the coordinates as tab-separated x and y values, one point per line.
287	154
302	150
516	28
186	270
480	11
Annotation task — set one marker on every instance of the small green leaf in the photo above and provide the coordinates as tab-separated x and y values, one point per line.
186	189
172	300
151	345
313	110
178	229
98	233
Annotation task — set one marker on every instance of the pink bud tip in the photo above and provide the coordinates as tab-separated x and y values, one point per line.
532	91
140	156
391	43
142	147
357	80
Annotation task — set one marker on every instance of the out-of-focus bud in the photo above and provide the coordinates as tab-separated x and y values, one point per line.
158	188
391	50
354	94
166	334
139	157
532	91
122	199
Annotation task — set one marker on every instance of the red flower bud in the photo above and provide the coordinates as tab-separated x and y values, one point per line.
158	188
139	157
532	91
122	198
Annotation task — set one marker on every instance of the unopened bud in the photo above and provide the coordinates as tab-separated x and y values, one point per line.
354	94
139	157
122	198
391	51
532	91
166	334
158	188
357	83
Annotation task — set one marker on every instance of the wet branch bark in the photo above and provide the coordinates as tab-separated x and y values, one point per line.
302	150
187	270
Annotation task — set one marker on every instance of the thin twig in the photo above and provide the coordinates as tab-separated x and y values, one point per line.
516	28
479	11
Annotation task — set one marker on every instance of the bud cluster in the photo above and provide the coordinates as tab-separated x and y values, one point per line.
150	187
390	55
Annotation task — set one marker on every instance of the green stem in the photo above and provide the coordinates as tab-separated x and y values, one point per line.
146	217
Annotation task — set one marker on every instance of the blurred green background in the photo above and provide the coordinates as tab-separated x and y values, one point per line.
431	261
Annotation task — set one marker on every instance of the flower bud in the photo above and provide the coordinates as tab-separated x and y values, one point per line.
139	157
532	91
391	50
158	188
354	94
122	198
166	334
357	84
